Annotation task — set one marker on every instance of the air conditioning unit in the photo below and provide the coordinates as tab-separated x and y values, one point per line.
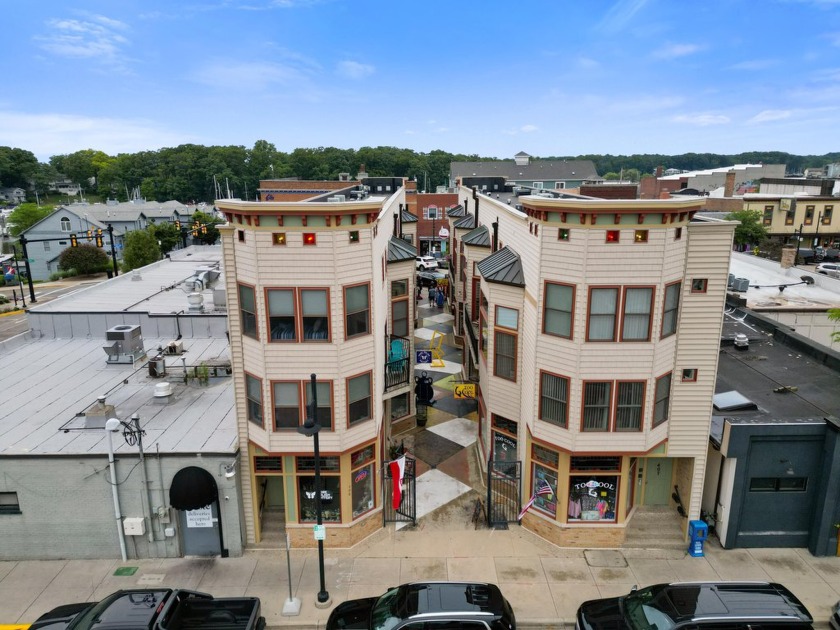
741	285
125	344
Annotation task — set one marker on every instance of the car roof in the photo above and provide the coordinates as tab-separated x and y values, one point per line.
729	600
454	597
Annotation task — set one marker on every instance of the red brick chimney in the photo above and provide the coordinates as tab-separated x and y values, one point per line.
729	186
659	171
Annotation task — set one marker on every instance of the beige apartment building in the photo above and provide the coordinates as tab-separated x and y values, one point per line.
319	286
592	329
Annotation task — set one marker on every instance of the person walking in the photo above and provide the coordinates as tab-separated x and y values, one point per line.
432	295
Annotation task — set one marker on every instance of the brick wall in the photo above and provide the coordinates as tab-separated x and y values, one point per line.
601	536
338	536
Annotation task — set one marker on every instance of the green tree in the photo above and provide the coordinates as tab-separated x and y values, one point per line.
751	231
85	259
834	316
17	167
25	216
168	236
212	234
81	167
140	249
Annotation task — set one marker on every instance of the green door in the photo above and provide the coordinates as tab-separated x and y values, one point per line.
657	481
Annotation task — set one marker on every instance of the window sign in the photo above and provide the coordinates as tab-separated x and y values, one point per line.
202	517
362	490
592	498
504	450
546	502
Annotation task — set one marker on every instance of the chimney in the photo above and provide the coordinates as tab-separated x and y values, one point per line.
729	186
659	171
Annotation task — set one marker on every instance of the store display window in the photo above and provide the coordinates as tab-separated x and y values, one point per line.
362	480
592	498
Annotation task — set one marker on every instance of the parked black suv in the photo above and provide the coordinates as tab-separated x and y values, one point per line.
428	605
731	605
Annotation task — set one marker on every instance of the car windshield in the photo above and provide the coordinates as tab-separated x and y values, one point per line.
125	610
649	609
388	610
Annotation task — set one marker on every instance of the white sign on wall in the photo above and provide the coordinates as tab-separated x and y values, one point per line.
202	517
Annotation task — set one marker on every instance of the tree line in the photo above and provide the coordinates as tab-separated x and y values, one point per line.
192	172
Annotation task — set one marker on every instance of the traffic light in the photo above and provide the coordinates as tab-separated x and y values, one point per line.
99	240
204	229
90	235
178	225
74	242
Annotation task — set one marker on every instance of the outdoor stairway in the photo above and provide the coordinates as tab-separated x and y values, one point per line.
654	527
273	529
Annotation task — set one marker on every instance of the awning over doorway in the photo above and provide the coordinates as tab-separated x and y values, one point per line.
192	488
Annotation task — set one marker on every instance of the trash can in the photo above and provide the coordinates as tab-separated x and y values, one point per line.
698	531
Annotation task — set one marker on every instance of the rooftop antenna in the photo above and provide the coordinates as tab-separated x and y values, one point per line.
227	185
216	187
127	196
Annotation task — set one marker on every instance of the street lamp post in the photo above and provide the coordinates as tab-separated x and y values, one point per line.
434	218
310	428
817	234
798	242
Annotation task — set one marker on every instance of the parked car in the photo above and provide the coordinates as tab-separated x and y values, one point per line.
698	605
425	263
156	609
834	622
824	268
437	604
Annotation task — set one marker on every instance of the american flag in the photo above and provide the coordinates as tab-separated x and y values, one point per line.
543	488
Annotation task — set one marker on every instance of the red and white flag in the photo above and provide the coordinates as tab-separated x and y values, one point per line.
397	468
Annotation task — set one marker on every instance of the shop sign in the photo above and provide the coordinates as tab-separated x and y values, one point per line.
326	495
202	517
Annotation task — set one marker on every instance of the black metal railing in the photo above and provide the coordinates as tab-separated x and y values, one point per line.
398	362
473	336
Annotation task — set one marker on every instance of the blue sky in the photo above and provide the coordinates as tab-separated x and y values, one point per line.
468	76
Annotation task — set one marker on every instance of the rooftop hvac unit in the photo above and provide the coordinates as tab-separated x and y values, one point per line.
337	198
731	280
176	346
741	285
125	344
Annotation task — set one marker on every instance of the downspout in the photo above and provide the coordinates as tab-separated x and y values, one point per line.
495	235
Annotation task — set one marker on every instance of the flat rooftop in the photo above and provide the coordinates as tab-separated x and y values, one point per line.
768	275
54	381
159	288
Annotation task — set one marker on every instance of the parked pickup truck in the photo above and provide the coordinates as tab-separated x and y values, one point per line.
156	609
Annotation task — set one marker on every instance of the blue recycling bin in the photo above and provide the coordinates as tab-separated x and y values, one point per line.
698	532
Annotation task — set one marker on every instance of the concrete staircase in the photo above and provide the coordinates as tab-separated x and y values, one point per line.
273	529
654	527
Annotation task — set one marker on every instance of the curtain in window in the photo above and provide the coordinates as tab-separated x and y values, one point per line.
281	313
315	318
286	405
558	309
628	413
505	355
554	399
358	390
596	406
637	314
602	307
254	396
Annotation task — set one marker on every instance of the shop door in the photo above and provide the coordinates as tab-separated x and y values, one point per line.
200	531
657	481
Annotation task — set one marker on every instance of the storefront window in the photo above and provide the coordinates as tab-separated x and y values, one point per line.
592	498
399	406
362	490
504	445
330	498
546	502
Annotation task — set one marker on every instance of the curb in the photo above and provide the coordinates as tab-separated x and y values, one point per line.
14	312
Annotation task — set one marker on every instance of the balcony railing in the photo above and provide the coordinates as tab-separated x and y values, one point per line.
473	336
398	362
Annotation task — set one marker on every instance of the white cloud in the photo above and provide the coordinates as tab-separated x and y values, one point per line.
588	64
55	134
754	64
354	69
702	120
769	115
528	128
95	37
620	14
255	75
673	51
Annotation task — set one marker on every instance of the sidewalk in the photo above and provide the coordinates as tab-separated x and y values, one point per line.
545	584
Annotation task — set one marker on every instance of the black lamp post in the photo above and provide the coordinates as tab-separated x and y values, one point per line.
310	428
798	242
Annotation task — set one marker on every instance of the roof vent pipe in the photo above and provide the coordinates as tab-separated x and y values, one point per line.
475	198
495	234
